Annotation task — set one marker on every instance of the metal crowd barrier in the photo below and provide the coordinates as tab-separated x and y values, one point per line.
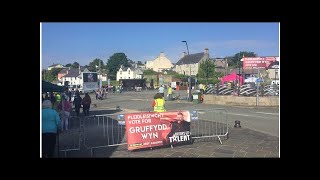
90	133
206	123
102	131
70	140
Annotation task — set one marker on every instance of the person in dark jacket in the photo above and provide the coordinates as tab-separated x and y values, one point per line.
178	126
86	102
77	102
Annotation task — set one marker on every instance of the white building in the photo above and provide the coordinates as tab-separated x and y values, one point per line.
160	63
74	76
129	73
103	77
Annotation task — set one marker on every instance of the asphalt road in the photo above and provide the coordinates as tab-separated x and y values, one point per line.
261	119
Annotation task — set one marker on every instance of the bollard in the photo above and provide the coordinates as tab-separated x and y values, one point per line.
237	124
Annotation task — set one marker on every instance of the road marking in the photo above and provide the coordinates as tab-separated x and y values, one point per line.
137	99
268	113
239	114
246	115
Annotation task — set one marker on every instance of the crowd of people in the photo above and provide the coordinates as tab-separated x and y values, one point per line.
56	110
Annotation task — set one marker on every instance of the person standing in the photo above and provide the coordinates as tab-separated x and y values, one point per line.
158	104
161	90
50	127
58	100
170	93
86	102
64	108
77	102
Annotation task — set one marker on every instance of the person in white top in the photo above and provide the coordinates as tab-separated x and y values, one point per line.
161	90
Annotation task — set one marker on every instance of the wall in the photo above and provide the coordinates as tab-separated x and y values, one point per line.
240	100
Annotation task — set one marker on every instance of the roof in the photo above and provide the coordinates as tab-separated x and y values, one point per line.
126	68
191	58
220	63
72	73
53	65
49	87
63	71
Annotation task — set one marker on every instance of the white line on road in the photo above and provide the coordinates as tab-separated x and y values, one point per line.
239	114
247	115
268	113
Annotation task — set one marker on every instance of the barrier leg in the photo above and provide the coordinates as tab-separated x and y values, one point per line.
219	139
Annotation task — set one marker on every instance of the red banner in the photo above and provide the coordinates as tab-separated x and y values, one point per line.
149	129
257	62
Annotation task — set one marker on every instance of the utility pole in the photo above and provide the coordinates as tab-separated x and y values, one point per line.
189	79
258	82
225	67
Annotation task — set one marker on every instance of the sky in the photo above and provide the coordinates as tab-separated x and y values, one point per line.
69	42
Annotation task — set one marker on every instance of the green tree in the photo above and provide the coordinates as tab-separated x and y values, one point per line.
68	65
149	72
114	63
51	75
131	63
55	71
47	76
206	69
75	65
140	63
234	61
180	76
94	65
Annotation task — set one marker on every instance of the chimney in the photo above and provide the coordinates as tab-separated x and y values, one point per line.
161	54
183	54
206	51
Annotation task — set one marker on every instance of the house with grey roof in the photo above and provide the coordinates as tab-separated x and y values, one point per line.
189	64
129	73
73	75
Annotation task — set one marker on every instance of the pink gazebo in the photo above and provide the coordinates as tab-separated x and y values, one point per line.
232	77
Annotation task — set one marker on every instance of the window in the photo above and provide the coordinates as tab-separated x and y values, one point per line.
129	77
129	72
120	72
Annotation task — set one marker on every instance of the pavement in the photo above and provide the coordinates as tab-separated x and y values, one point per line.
240	142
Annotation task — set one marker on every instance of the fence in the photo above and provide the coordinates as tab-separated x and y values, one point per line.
87	134
244	90
207	123
70	140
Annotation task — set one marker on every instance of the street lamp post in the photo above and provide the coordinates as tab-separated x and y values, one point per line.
186	45
238	85
189	79
207	69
